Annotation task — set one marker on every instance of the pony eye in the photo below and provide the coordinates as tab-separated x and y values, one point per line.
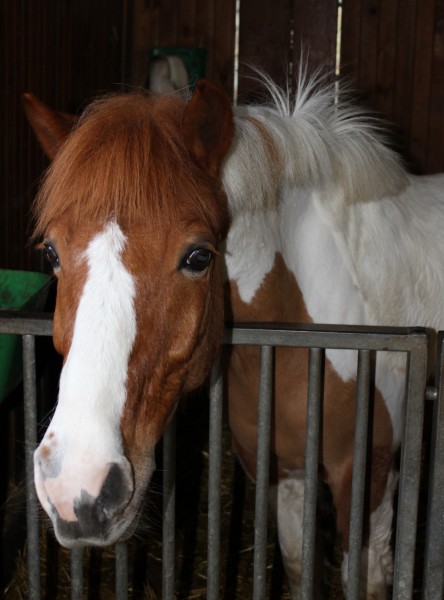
51	255
197	260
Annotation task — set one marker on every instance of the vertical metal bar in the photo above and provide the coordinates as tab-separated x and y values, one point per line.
214	483
121	571
169	512
77	574
433	584
359	473
314	405
410	472
262	472
30	420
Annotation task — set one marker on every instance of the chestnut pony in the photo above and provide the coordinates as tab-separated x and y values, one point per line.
159	215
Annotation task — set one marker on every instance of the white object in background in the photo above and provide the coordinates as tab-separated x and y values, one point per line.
167	74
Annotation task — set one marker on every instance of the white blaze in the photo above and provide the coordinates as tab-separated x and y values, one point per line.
86	424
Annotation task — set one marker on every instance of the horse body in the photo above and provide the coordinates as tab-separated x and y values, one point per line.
328	252
326	226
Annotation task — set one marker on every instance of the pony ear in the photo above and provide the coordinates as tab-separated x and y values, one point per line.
208	126
51	127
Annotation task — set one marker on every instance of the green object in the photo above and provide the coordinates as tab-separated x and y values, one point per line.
19	290
194	60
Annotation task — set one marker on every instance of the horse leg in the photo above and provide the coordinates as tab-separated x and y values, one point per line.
376	557
287	502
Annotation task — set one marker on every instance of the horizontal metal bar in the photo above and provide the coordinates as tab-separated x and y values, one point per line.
338	337
398	339
25	323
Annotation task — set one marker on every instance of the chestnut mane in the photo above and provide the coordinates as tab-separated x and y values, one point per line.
126	160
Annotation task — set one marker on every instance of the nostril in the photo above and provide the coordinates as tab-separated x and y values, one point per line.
117	490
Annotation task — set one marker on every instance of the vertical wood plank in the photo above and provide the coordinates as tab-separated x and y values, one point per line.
422	83
403	77
350	38
207	24
63	52
368	64
386	57
393	53
315	25
222	67
264	42
435	150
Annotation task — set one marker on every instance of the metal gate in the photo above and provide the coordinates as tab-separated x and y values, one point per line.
367	342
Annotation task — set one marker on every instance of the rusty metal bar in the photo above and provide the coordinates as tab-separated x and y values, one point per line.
214	483
366	340
433	585
32	506
169	512
314	408
262	472
409	479
359	473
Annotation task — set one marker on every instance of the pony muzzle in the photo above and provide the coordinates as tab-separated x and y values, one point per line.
89	507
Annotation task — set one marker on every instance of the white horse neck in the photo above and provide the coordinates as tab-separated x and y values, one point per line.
379	244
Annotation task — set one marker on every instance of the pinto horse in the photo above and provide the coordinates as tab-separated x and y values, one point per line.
161	215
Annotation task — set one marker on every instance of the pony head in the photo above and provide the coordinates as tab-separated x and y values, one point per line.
131	213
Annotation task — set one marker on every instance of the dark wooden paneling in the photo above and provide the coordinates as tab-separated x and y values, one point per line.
422	75
315	33
264	42
207	24
275	35
393	51
64	51
435	147
404	66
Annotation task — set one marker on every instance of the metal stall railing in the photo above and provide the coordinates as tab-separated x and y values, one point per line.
366	342
433	588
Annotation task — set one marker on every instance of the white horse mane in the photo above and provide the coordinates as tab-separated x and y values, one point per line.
318	141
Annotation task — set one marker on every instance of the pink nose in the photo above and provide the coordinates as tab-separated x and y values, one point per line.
84	505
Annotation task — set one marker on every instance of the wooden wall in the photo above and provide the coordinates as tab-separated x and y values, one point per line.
64	51
208	24
394	52
270	35
67	50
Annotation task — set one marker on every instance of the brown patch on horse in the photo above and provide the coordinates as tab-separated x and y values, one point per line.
270	146
279	299
380	463
185	334
127	160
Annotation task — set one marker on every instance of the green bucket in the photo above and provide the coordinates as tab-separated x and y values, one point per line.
19	290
